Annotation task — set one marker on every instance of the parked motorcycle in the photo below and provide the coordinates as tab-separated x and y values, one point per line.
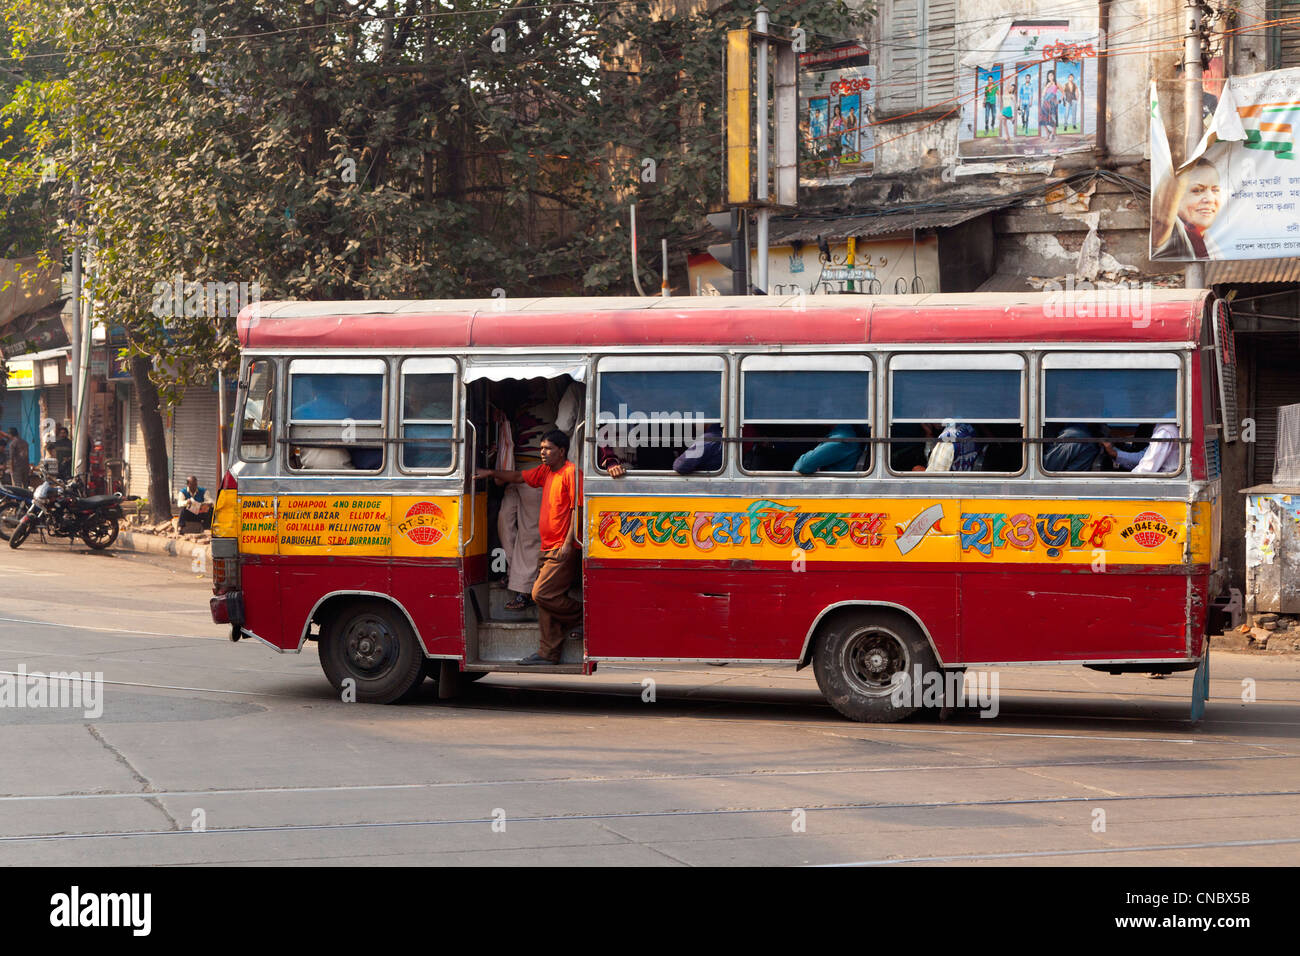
14	502
60	511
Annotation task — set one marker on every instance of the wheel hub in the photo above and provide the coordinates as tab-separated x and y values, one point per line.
370	645
872	658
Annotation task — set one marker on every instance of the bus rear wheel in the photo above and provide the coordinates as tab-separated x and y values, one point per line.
371	645
857	657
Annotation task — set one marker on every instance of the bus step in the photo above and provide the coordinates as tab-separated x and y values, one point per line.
497	601
510	667
505	642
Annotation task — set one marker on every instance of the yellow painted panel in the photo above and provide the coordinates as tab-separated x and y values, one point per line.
333	524
888	529
225	514
425	527
738	116
362	525
257	527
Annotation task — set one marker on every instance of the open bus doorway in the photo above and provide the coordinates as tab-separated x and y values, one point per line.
512	408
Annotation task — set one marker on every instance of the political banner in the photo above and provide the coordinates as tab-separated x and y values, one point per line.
1237	195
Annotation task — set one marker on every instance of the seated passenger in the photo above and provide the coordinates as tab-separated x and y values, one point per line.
1071	450
910	455
703	454
367	458
955	449
832	455
312	458
1158	458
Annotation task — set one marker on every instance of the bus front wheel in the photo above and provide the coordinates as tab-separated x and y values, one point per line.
857	657
370	654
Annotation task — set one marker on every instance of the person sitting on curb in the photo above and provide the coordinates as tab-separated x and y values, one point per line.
192	500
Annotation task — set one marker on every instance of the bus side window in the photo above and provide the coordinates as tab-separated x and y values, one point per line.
1100	412
428	414
257	430
791	406
651	410
957	413
334	406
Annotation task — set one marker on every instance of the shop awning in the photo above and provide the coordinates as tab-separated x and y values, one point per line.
1245	271
35	331
891	224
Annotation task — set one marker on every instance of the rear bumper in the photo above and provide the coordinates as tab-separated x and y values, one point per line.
227	608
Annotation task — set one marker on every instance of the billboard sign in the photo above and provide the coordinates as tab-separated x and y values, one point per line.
1029	90
1238	195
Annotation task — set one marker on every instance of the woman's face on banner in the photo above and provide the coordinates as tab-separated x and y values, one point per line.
1200	203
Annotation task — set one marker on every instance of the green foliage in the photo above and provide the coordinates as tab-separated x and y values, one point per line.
366	149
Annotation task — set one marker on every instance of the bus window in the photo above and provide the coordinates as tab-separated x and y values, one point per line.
650	410
790	404
957	413
256	432
1101	412
334	406
428	414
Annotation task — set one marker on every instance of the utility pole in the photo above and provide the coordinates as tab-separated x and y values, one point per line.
760	26
76	325
1193	95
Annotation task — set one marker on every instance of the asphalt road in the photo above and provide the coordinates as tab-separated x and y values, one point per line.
208	752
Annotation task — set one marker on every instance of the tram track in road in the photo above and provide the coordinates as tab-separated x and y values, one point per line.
682	813
642	778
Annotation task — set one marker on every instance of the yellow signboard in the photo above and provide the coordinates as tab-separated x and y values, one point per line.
359	525
893	529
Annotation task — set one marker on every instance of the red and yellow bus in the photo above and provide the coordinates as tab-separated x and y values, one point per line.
350	516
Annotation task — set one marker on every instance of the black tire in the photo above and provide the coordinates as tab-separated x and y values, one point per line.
371	644
10	515
857	655
100	532
21	532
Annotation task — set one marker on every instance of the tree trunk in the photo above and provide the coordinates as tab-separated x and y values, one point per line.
155	439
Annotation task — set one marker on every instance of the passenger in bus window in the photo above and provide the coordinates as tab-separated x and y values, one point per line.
911	455
316	458
833	454
703	454
1158	458
956	448
1071	450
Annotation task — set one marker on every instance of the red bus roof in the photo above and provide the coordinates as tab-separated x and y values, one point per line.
1098	316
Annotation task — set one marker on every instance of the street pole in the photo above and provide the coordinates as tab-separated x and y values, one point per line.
1193	94
760	25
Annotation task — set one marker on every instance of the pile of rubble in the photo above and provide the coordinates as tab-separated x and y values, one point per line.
140	524
1273	631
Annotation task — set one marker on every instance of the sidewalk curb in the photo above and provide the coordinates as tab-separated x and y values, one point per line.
199	553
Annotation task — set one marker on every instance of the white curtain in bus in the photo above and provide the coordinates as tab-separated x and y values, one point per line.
501	373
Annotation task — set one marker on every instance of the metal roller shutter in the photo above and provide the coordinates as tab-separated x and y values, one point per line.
1276	384
194	451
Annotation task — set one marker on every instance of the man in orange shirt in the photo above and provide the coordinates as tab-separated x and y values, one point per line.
558	478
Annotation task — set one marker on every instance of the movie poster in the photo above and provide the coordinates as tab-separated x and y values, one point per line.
1030	89
837	104
1238	195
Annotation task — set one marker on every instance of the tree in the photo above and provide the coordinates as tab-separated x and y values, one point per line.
374	148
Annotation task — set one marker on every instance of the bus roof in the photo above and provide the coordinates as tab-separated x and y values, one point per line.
1129	315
